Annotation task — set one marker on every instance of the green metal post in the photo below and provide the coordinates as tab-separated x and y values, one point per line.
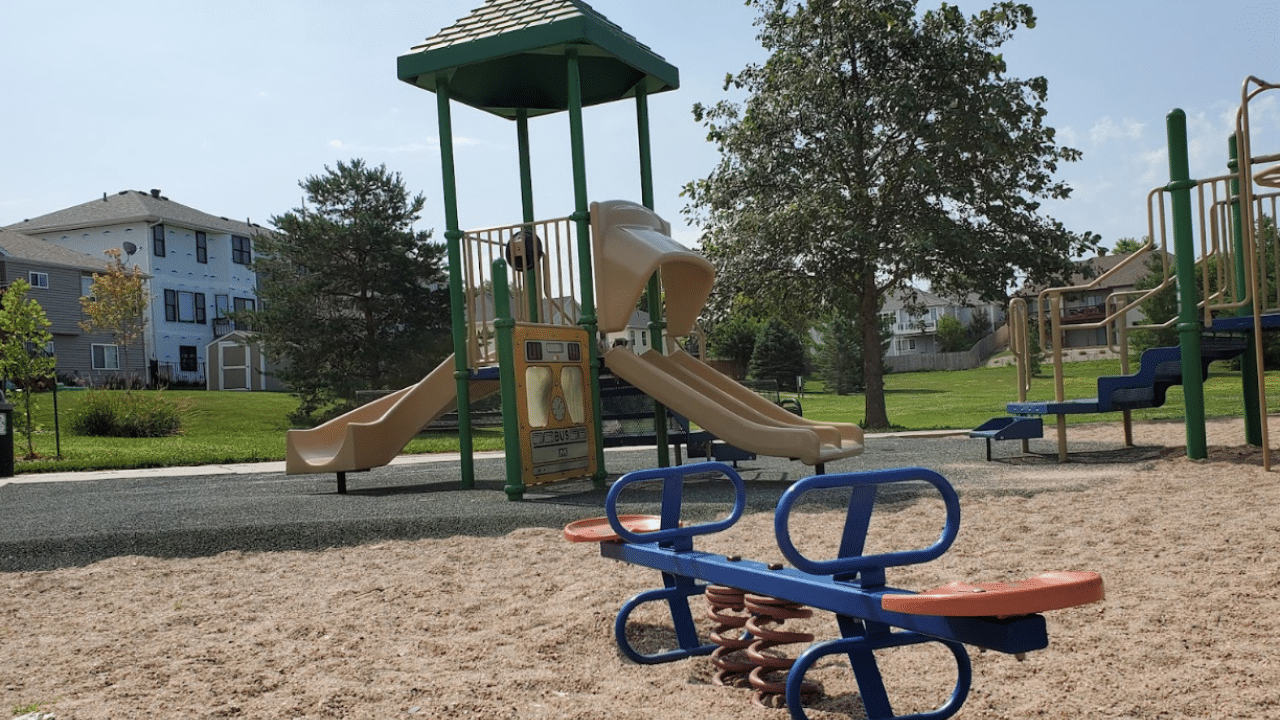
1179	188
582	217
1248	361
505	327
457	299
657	322
526	197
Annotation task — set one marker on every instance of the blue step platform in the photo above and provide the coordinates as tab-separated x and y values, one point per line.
1158	370
1008	428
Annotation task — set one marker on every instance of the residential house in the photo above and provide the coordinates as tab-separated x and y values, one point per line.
197	263
1117	274
635	334
58	278
914	320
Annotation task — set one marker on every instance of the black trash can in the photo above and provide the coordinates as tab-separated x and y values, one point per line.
6	437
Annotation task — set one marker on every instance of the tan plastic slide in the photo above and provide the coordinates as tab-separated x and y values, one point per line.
373	434
729	412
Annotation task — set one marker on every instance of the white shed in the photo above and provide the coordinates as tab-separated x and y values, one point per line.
236	362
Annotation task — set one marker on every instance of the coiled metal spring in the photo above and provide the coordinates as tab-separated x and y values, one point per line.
747	629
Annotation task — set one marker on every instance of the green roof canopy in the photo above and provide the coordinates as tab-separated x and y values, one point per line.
510	55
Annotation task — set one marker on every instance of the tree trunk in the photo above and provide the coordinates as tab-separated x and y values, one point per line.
877	417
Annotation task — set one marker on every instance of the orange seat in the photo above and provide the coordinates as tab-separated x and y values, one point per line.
599	530
1050	591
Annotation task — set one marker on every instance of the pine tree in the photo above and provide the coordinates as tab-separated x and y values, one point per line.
353	297
840	355
778	355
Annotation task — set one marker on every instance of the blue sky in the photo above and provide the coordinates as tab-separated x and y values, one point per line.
226	105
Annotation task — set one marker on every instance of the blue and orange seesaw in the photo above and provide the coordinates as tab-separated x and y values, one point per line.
870	615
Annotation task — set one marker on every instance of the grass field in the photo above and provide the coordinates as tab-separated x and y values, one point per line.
231	427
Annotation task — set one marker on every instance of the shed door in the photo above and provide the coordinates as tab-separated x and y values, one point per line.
233	358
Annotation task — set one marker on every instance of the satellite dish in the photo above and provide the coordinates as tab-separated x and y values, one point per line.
130	249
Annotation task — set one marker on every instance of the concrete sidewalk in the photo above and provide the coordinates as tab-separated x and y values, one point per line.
278	466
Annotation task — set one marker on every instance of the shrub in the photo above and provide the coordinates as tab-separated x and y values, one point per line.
106	413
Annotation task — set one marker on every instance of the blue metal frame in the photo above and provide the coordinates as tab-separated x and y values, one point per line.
850	585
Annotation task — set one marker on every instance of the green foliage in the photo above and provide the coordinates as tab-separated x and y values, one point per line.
1128	246
117	304
840	355
952	335
24	335
1161	307
1035	353
107	413
876	146
779	355
734	339
979	326
347	290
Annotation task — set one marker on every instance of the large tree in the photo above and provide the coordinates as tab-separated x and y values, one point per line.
352	296
877	146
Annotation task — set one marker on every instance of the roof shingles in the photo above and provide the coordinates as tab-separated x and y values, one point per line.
132	206
496	17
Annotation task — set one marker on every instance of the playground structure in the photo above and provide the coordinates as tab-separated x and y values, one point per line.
871	615
1228	295
531	300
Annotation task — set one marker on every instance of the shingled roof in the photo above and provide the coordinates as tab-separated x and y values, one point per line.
510	55
24	247
132	206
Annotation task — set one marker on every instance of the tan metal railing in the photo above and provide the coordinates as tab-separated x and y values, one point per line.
543	275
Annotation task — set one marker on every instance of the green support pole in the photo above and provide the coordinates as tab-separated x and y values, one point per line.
1248	361
657	322
582	217
526	198
457	299
504	328
1179	188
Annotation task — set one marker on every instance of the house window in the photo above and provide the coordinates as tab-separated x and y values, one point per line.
183	306
202	247
911	344
241	250
38	279
187	358
157	240
242	305
106	357
86	286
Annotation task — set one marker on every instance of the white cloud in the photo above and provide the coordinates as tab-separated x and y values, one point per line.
1107	129
335	143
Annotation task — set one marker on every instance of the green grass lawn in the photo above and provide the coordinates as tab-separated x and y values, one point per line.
967	398
220	427
234	427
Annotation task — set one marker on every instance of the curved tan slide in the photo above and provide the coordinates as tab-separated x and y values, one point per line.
849	433
373	434
727	412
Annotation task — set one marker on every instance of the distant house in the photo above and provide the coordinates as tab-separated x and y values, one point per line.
197	263
914	321
635	334
1089	306
58	278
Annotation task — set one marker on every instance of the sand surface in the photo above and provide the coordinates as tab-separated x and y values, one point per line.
520	626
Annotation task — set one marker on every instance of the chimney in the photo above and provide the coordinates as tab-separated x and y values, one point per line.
155	193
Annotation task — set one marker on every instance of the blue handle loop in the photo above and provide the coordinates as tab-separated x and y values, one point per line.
859	513
672	481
